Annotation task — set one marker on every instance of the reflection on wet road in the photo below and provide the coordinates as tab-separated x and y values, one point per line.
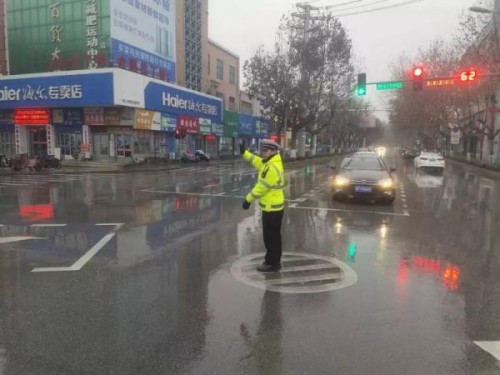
139	275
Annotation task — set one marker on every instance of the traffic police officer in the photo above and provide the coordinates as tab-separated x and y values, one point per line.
269	191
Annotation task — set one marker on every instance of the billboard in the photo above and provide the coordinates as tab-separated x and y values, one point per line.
46	36
143	37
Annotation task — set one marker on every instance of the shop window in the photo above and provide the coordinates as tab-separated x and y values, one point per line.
69	143
220	70
6	143
123	147
232	75
232	103
142	143
246	108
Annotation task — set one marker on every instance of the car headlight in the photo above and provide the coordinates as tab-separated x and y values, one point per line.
340	181
386	184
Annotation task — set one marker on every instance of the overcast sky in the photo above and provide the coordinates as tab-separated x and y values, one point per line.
379	38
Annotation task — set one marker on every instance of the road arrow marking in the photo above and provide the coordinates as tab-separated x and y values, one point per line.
492	347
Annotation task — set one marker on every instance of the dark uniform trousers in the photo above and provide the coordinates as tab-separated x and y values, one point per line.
271	227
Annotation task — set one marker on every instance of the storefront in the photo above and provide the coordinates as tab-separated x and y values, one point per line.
110	113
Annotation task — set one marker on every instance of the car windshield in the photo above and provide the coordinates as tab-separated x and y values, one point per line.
365	164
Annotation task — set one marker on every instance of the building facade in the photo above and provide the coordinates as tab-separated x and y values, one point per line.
192	43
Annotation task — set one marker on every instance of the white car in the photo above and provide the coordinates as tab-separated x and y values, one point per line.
430	160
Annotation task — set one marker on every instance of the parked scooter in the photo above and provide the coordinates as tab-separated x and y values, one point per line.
4	161
47	162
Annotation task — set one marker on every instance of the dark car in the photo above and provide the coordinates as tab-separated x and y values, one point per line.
365	177
409	154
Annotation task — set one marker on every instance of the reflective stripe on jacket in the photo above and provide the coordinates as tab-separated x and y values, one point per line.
270	184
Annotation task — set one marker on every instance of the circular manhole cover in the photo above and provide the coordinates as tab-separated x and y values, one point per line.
300	273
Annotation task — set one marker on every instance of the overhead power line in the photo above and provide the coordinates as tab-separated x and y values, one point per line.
365	5
378	9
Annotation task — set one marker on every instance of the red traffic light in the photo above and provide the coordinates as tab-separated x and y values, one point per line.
418	72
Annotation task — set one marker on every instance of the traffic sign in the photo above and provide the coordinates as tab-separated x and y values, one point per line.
395	85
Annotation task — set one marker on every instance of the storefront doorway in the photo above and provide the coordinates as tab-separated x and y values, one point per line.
123	145
38	140
101	146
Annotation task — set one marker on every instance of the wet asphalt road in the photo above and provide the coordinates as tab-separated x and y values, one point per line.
152	273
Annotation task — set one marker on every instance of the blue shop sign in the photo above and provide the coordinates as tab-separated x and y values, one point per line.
168	122
68	116
247	125
177	101
66	90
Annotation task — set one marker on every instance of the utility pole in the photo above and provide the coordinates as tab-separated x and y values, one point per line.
496	30
306	16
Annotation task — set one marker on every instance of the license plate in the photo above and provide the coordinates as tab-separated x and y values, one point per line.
363	189
433	160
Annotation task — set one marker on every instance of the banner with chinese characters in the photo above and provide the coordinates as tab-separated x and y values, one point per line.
69	90
147	120
205	126
119	116
68	116
188	123
94	116
143	37
57	35
168	122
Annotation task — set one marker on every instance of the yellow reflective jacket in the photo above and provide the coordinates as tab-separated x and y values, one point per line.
270	184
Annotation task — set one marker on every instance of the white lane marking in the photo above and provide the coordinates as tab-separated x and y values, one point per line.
221	194
11	184
185	193
235	190
301	199
48	225
85	258
347	210
116	225
18	238
293	205
492	347
209	186
77	266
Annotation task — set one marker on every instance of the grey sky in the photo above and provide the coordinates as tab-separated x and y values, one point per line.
379	38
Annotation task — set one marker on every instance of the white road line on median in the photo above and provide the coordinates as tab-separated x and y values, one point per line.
48	225
300	199
492	347
235	190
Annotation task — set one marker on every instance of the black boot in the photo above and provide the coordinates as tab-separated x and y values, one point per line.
269	267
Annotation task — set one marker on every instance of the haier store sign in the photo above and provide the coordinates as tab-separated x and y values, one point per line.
165	98
65	90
